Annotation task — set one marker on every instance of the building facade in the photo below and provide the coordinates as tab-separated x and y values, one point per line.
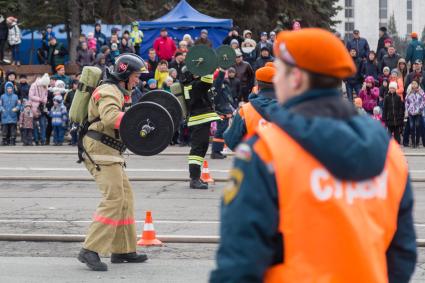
368	15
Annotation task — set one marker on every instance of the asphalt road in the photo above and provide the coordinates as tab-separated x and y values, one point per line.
51	207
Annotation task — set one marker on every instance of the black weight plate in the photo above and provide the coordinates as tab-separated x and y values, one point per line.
226	56
168	101
139	115
201	60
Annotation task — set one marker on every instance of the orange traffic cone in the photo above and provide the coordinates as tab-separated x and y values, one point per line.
205	173
149	235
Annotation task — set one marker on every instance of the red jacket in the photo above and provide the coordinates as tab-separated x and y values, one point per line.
165	48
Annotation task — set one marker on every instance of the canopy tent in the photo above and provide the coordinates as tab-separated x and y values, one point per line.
181	20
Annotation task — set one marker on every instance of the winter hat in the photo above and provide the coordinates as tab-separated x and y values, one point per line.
358	102
376	110
27	104
369	79
265	74
58	67
8	85
231	70
44	80
394	72
328	56
414	35
152	81
234	41
249	41
57	98
388	40
60	84
393	85
386	68
114	46
204	31
171	70
245	32
238	52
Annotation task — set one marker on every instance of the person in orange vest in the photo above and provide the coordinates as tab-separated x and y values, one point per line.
320	193
251	114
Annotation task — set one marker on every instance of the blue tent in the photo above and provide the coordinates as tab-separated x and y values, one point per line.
181	20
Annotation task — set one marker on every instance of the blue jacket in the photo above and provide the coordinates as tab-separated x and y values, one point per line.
415	51
235	133
250	243
361	45
9	102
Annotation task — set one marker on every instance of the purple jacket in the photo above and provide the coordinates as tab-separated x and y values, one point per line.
415	102
369	99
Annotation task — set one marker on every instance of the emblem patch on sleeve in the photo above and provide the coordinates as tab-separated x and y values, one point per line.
243	152
232	188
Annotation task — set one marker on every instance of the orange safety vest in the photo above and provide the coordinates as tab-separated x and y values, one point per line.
333	230
252	118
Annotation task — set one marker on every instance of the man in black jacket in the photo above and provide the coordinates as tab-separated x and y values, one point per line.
383	35
4	32
178	64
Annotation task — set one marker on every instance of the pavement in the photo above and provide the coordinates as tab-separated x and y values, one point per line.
56	207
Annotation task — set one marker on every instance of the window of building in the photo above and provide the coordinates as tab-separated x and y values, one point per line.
349	27
409	28
409	9
349	13
383	9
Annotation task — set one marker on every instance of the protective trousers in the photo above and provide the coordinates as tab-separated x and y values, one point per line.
200	138
218	141
113	229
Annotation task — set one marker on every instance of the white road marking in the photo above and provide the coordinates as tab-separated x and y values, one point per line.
83	169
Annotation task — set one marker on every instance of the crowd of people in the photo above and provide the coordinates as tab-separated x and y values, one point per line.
386	86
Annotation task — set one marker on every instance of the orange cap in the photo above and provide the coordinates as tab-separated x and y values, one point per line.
58	67
414	35
315	50
265	74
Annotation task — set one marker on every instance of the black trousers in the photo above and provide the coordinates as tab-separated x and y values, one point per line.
396	131
200	139
9	132
2	44
26	135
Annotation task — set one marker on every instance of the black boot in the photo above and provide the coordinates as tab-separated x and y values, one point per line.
217	155
130	257
198	184
92	260
13	142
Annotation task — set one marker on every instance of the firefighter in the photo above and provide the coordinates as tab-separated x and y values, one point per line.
251	114
113	229
319	194
200	104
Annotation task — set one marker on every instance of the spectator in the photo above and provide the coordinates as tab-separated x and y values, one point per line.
69	96
384	51
415	49
26	124
10	77
395	77
235	44
106	52
4	34
233	34
385	75
359	44
417	73
369	95
101	64
245	74
125	47
203	39
114	52
391	59
38	99
85	56
14	39
383	35
247	34
60	75
152	62
377	115
126	35
100	37
152	85
235	86
164	46
23	88
173	74
167	84
57	53
161	73
272	37
370	66
59	117
114	39
82	39
249	51
91	42
402	69
296	25
182	47
354	83
263	43
263	59
415	105
383	90
136	36
358	104
393	113
188	40
9	108
178	64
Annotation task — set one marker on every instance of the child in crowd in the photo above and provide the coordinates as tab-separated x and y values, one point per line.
377	115
383	90
167	84
395	77
23	88
358	103
393	114
384	76
26	121
369	95
152	85
9	108
91	42
415	104
161	73
173	74
59	117
114	52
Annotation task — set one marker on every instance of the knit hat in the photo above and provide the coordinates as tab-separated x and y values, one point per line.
234	41
327	56
376	110
265	74
238	52
395	72
358	102
171	70
58	98
231	70
386	68
249	41
393	85
414	35
204	31
44	80
8	85
152	81
58	67
388	40
369	79
27	104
